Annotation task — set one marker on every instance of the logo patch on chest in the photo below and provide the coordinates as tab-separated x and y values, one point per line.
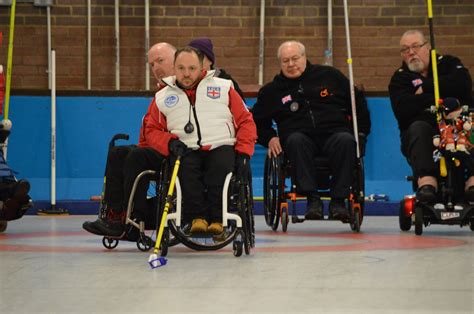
213	92
171	100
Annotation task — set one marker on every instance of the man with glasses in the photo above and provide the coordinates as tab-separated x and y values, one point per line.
411	94
311	105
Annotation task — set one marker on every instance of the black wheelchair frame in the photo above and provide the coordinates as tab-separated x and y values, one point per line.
448	210
276	194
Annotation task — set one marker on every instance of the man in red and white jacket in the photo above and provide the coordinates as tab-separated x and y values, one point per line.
203	119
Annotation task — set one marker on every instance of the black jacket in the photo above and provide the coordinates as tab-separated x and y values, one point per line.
324	101
454	81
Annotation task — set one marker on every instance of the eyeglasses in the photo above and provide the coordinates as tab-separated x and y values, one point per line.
415	48
294	59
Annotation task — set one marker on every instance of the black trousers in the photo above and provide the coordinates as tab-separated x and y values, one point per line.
339	147
417	147
124	163
114	190
202	175
138	160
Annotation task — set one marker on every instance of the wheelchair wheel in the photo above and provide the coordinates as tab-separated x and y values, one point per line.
359	191
3	225
165	242
272	191
162	190
404	220
237	244
110	243
246	213
144	243
355	218
471	224
418	220
284	217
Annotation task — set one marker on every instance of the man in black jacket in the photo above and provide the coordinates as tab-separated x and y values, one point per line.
411	94
311	106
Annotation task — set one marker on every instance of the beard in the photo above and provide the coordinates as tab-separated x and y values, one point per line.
416	65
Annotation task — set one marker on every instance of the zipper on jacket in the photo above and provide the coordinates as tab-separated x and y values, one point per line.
228	128
197	126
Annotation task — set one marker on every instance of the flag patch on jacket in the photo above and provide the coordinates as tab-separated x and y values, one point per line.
286	99
213	92
417	82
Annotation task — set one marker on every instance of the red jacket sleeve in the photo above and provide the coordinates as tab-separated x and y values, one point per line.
142	139
246	131
156	132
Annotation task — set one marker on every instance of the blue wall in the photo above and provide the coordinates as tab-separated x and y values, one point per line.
86	124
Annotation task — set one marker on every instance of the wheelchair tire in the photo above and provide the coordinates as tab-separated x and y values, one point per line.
110	243
165	242
246	213
471	225
237	244
237	248
3	225
418	220
272	191
355	219
404	221
284	218
144	243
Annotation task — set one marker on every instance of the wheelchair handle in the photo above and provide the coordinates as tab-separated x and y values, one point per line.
120	136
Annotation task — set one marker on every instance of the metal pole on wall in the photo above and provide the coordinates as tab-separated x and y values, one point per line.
53	130
261	51
351	77
328	52
117	46
89	43
147	44
53	210
48	19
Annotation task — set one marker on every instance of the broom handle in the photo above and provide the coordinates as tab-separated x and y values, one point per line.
351	79
434	65
9	60
167	206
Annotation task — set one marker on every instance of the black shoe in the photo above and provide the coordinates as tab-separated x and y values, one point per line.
110	227
338	209
20	191
469	195
91	226
426	194
314	207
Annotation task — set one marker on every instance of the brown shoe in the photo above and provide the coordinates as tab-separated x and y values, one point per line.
199	225
215	228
